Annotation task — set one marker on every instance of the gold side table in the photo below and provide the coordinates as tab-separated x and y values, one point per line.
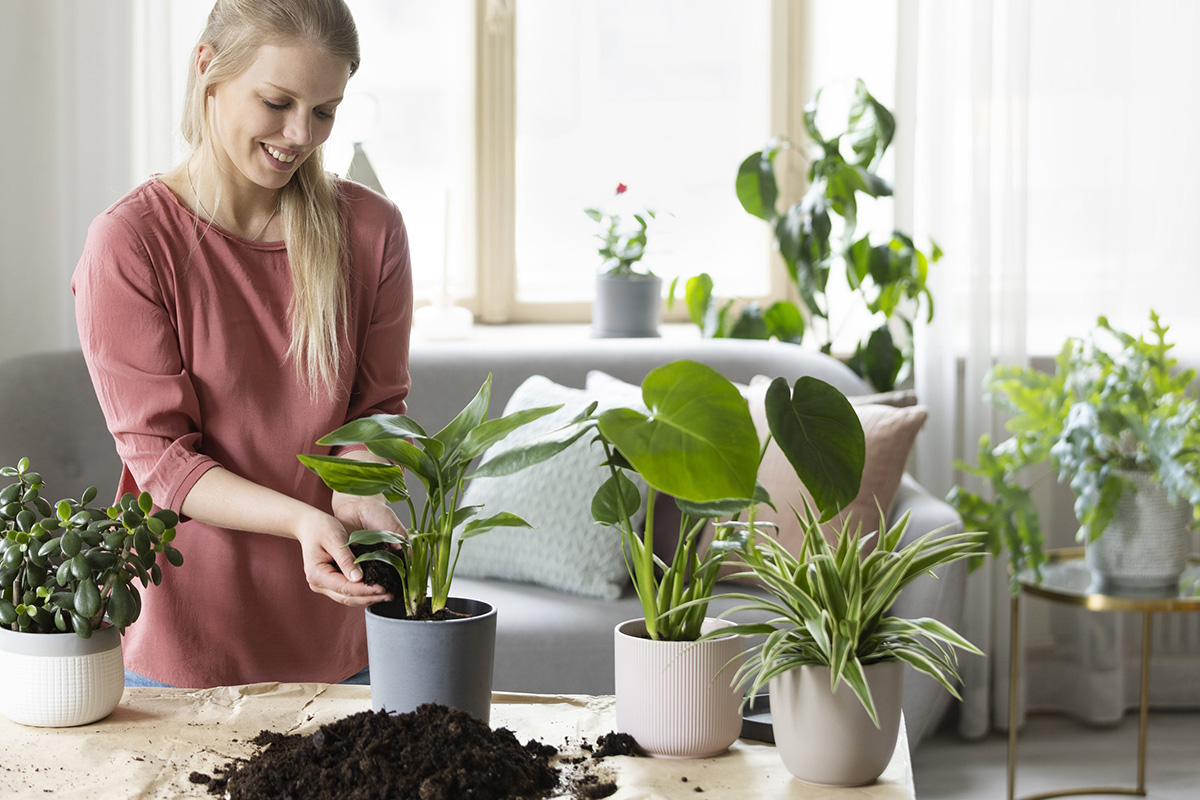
1066	579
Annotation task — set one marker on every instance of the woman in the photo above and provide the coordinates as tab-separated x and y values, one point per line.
232	311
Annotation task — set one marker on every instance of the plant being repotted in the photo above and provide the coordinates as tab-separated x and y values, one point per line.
1120	423
695	441
68	576
829	629
628	297
412	661
817	235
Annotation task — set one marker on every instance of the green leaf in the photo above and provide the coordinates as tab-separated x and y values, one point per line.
698	443
615	495
534	451
784	321
87	598
495	430
408	455
879	361
386	556
122	610
372	537
502	520
820	434
362	478
373	428
698	295
174	557
755	185
453	435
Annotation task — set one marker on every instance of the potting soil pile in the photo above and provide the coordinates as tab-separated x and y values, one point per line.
433	753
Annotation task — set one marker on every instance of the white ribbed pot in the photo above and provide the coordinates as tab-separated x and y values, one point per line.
670	697
56	680
826	737
1146	544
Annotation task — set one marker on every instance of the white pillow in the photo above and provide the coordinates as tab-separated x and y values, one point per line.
566	550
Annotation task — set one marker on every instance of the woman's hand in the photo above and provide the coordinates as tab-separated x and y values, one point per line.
366	513
329	565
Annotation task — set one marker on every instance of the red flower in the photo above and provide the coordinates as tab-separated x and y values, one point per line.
621	188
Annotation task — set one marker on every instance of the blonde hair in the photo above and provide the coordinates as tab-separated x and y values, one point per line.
308	204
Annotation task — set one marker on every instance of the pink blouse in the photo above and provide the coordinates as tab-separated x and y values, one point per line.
185	327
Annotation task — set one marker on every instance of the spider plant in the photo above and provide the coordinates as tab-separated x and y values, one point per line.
829	606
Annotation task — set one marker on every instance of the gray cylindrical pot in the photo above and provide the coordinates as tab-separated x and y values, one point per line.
627	306
447	662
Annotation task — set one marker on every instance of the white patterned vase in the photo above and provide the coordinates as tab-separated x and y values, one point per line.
1146	545
57	680
676	699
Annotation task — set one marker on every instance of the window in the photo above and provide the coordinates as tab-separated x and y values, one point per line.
493	123
665	97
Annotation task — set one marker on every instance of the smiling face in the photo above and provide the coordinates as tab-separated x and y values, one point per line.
268	120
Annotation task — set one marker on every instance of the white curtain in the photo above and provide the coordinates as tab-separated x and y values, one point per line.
1047	157
66	145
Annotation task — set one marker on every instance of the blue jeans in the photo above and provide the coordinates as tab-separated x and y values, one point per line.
136	681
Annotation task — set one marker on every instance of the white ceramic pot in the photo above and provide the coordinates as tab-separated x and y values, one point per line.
56	680
1146	544
670	697
826	737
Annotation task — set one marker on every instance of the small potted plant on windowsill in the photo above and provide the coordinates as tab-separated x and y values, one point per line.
67	593
628	299
695	441
426	646
1120	423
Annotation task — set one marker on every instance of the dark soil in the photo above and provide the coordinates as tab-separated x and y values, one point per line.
433	753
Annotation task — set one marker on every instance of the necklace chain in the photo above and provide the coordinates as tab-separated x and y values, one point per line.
211	217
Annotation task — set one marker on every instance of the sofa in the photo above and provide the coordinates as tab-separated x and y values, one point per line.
548	641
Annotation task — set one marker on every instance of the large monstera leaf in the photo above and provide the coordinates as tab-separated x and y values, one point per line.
698	442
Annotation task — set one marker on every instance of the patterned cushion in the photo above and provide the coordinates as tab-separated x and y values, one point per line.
566	550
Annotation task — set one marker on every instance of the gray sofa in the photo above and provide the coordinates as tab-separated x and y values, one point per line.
547	641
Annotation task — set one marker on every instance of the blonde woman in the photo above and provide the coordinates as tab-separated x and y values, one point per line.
232	311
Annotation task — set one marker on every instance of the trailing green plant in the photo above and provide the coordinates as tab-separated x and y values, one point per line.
67	567
1114	402
622	243
695	440
829	606
817	236
425	558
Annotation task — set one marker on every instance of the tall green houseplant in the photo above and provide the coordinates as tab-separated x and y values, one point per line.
1114	403
818	236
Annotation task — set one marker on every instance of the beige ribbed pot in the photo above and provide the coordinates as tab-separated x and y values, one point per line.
56	680
670	697
826	737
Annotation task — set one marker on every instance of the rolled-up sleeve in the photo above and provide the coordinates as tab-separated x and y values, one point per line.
132	351
382	381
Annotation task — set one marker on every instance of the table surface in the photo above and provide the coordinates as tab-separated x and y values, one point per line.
157	737
1066	579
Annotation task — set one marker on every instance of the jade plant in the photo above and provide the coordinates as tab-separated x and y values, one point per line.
695	441
818	235
829	606
424	558
65	566
1114	402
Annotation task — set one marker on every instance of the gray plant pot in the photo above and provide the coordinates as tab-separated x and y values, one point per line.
1146	544
627	306
448	662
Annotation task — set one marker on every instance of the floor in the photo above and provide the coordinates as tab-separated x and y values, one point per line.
1057	752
